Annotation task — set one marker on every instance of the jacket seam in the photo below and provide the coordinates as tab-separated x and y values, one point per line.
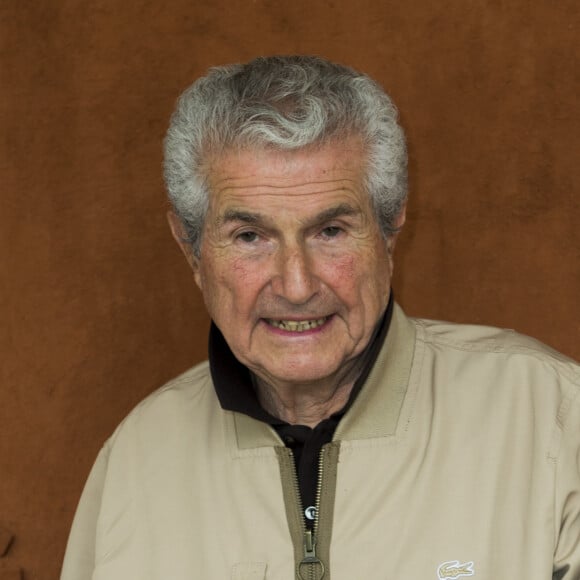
413	381
562	366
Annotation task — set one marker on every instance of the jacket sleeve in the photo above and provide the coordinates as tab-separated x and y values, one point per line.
79	560
567	554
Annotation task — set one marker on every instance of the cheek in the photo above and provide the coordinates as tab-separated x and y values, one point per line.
341	273
358	280
232	286
241	272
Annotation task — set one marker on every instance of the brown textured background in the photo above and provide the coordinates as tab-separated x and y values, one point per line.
97	306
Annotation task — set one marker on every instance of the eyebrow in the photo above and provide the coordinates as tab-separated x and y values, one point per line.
252	218
236	215
341	210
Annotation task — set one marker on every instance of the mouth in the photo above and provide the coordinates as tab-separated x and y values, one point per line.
297	325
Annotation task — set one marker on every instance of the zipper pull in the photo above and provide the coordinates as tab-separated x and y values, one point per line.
309	548
310	558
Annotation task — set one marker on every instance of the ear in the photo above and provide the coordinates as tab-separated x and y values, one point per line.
180	236
399	223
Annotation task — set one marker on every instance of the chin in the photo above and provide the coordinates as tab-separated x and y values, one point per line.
300	374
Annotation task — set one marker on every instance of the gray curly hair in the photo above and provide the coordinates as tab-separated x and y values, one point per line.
284	102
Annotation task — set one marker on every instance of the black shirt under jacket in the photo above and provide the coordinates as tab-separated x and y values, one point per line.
235	390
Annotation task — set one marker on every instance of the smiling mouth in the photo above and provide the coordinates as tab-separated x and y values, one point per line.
297	325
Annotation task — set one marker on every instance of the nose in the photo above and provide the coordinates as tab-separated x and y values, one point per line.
294	279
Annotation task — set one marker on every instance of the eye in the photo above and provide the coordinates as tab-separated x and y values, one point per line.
247	237
331	232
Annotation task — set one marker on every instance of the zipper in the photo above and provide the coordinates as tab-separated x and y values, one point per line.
311	547
310	564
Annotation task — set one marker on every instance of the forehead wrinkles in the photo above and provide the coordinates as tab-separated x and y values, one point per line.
241	188
244	176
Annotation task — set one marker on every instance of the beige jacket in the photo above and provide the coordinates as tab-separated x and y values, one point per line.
459	458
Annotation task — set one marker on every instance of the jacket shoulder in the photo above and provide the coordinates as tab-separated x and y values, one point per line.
489	339
173	402
508	361
485	338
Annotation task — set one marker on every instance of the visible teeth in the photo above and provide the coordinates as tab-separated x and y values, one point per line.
297	326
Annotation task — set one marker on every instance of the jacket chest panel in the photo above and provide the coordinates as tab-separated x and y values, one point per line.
418	507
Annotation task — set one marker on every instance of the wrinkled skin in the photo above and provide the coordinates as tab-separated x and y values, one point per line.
290	237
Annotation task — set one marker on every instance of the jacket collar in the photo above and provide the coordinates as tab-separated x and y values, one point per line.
376	410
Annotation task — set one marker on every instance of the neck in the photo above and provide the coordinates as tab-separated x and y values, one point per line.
303	404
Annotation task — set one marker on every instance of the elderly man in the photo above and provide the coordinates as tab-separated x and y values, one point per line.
328	436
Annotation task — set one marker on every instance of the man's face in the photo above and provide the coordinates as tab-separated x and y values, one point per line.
293	268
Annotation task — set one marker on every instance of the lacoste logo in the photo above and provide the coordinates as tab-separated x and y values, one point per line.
454	569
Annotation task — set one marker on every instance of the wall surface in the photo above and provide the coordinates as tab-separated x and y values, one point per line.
98	307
